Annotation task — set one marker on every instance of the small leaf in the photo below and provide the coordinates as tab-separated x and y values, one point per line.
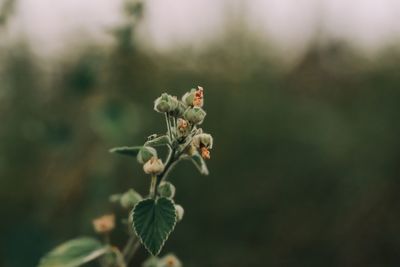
159	141
125	150
200	164
153	221
74	253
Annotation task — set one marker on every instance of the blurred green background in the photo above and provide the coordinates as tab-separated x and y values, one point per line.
304	172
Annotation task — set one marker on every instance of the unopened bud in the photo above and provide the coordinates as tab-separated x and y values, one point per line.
183	128
179	110
189	97
154	166
182	124
165	103
179	212
130	198
198	97
195	115
202	140
151	262
198	102
145	154
166	189
104	224
170	260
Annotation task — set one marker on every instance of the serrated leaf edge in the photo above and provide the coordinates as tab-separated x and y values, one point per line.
164	240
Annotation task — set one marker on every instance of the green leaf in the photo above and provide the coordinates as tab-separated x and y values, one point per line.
74	253
153	221
159	141
200	164
125	150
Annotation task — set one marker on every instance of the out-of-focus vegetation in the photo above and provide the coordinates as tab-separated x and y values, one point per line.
305	170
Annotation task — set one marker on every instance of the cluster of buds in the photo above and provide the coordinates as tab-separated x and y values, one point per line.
187	114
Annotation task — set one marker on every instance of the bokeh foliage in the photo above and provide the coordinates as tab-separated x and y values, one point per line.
304	171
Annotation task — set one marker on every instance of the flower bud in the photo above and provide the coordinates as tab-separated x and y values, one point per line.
153	166
198	102
189	97
151	262
104	224
179	110
182	125
202	140
170	260
129	199
183	128
205	153
179	212
165	103
198	98
195	115
146	153
174	102
166	189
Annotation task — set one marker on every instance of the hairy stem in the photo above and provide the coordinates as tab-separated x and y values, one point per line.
128	245
168	125
132	251
153	186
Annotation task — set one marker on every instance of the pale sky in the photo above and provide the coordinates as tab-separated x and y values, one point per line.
54	26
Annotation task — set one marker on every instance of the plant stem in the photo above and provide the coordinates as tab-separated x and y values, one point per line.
128	245
168	125
174	123
153	186
171	162
130	248
132	251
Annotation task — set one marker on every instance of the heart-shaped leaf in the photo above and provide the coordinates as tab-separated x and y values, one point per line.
126	150
74	253
200	164
153	221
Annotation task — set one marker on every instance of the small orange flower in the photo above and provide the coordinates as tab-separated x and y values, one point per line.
198	102
182	125
104	224
198	97
199	92
205	153
170	261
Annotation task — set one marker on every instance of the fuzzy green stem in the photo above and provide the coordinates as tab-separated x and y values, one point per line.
168	125
174	125
153	186
130	248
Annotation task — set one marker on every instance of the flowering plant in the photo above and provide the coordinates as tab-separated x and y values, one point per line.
151	219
